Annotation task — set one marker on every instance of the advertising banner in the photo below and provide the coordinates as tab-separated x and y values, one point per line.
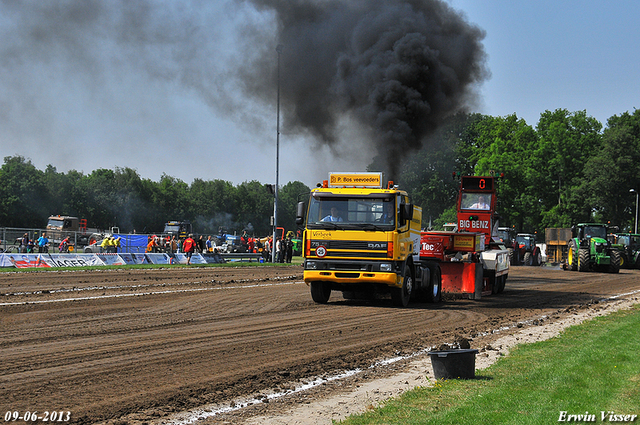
111	259
159	258
23	261
73	260
180	258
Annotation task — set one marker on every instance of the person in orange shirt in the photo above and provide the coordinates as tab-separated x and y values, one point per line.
189	246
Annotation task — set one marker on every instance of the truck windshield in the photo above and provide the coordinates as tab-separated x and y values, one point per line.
476	201
172	228
54	224
351	211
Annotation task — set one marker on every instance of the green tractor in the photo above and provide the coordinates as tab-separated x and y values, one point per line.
629	244
589	249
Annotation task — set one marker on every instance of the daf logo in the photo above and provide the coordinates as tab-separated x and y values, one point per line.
373	245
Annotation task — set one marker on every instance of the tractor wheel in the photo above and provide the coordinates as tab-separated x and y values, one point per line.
572	256
624	261
537	259
638	262
528	259
584	258
401	296
614	264
512	257
320	292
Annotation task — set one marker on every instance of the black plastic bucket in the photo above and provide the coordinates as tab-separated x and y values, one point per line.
454	364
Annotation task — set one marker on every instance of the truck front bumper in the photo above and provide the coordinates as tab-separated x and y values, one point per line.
353	273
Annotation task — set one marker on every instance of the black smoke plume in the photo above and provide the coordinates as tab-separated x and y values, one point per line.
392	69
396	67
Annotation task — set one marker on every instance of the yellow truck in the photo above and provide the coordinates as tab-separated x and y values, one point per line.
362	237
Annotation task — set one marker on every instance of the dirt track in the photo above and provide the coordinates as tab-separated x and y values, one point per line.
138	346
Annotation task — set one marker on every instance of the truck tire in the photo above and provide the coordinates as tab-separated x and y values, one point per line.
503	283
320	292
528	259
584	258
572	256
401	296
434	291
614	264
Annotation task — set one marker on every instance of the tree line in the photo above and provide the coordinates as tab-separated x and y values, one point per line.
568	169
121	198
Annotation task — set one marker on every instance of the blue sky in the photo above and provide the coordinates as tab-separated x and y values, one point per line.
73	97
545	55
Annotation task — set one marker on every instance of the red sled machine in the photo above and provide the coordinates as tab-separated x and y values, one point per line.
472	259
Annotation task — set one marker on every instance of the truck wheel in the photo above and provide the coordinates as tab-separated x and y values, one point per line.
584	257
503	282
401	296
320	292
614	263
434	294
528	259
572	256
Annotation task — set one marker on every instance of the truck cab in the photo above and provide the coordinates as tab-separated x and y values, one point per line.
360	237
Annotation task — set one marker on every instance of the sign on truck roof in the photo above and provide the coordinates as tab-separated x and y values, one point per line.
372	180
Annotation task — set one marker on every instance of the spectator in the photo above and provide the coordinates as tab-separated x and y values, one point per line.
201	245
43	243
280	250
151	245
189	246
173	245
117	244
289	249
209	244
64	245
24	243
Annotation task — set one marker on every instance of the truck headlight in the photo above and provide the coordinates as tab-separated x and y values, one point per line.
311	265
385	267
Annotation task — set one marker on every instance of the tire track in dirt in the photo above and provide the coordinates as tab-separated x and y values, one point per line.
145	357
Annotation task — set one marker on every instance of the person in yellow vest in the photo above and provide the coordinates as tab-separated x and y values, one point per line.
105	244
117	244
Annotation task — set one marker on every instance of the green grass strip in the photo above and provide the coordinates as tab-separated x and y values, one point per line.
588	369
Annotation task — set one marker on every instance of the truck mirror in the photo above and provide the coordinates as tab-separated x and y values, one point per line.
405	214
408	212
300	213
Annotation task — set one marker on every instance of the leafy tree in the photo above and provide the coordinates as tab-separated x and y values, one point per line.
288	198
255	208
214	204
614	169
507	143
24	199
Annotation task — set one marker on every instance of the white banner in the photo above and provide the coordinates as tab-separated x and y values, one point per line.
181	258
111	259
74	260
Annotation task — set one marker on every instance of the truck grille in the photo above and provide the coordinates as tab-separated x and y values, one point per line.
351	249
